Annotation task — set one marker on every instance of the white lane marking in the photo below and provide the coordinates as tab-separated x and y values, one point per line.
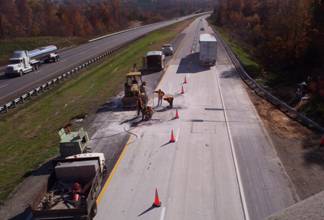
162	213
238	175
5	85
178	134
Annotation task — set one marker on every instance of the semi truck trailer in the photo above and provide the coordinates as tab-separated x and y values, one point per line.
23	61
154	61
72	188
207	50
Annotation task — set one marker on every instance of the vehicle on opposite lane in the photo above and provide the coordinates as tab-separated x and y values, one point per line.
23	61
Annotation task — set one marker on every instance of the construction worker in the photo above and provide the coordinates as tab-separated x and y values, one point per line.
134	67
142	87
139	104
147	113
160	96
169	99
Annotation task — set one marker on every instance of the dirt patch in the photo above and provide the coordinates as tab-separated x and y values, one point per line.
297	147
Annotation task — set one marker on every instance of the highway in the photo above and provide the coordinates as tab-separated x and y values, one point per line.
11	88
222	165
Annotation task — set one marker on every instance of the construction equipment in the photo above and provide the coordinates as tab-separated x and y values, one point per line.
72	188
73	142
133	88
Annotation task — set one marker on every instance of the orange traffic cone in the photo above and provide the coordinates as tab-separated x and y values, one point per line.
172	139
322	141
182	90
177	114
157	202
185	80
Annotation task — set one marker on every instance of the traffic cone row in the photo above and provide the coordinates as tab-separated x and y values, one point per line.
157	202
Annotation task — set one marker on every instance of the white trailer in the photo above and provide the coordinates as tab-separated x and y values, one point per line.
154	61
208	50
23	61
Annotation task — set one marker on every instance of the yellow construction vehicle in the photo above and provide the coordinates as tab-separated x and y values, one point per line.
133	88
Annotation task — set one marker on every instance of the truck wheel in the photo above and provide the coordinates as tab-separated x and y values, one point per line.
93	211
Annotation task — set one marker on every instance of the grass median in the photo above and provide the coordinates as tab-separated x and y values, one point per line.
28	136
248	62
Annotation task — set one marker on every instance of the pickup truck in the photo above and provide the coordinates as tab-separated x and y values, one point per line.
72	188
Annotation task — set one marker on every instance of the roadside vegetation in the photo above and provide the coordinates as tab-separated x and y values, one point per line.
248	61
280	43
28	135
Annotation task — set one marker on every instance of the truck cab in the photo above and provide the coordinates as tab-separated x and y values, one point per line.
23	61
20	63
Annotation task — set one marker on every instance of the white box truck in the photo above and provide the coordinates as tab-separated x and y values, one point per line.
207	50
154	61
23	61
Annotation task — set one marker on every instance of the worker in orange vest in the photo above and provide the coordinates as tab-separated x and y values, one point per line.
160	94
169	99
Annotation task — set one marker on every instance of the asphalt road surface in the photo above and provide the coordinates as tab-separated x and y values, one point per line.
222	165
11	88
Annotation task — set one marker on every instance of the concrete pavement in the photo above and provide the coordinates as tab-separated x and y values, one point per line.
222	166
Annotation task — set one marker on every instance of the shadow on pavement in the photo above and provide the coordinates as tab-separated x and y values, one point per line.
22	216
114	105
147	210
166	144
190	64
232	73
3	77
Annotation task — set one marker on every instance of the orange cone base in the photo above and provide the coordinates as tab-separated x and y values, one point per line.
177	114
185	80
182	90
157	202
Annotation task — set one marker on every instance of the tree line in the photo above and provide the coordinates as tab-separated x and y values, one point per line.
25	18
288	34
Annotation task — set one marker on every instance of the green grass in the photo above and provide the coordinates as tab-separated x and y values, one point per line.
248	62
7	46
28	136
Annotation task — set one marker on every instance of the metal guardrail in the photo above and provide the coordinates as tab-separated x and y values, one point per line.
262	92
57	80
61	78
